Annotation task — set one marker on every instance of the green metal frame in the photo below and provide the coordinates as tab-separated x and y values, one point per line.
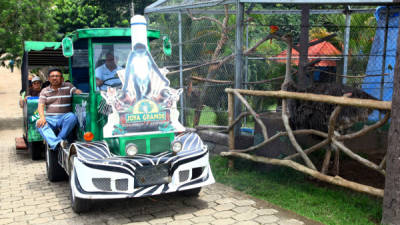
118	144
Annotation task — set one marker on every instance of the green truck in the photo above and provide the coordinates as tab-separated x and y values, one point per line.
128	141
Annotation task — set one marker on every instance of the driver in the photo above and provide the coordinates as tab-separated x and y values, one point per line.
106	72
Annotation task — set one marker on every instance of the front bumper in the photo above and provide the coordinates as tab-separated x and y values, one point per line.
142	175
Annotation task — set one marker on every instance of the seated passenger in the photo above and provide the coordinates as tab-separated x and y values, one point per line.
106	72
57	99
33	90
36	87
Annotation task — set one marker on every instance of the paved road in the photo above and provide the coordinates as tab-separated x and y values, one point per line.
27	197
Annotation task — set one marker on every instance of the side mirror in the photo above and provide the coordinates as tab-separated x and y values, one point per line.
167	45
67	47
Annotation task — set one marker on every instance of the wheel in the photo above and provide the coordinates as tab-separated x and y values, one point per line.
35	150
191	192
112	85
79	205
54	171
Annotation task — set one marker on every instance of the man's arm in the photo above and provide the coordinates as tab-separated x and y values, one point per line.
42	121
99	82
74	90
99	76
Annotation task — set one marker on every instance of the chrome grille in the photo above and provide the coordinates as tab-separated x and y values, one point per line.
121	184
103	184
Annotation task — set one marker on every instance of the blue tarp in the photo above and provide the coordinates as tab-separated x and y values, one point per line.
372	85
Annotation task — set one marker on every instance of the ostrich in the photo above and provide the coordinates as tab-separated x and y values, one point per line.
315	115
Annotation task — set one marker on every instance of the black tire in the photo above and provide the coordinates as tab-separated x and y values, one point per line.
35	149
191	192
79	205
54	171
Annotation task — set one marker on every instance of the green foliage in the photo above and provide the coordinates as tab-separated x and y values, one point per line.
50	20
77	14
362	31
24	20
221	118
290	189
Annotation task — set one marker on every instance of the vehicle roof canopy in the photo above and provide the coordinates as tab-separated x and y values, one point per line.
40	53
109	32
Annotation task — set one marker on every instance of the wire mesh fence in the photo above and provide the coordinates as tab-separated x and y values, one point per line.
361	54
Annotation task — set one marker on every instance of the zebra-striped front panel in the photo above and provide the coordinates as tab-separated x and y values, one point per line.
110	171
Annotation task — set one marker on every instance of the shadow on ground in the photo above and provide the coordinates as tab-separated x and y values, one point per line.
13	123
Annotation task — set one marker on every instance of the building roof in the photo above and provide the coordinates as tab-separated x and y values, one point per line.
324	50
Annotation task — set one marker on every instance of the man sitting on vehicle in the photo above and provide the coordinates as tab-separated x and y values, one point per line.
106	72
57	99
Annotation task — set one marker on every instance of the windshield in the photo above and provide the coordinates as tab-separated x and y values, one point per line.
108	59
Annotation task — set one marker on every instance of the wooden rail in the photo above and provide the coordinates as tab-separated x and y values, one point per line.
366	103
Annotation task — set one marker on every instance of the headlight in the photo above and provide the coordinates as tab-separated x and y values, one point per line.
176	146
131	149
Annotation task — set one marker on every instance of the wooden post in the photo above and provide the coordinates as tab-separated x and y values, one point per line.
336	163
231	131
325	164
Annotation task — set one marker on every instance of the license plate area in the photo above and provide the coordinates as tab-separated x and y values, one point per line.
152	175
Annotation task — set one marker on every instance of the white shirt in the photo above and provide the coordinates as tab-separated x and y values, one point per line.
103	73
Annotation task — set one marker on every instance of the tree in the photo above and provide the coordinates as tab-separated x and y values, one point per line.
24	20
77	14
391	199
118	11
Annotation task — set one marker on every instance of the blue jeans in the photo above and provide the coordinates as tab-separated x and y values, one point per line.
64	123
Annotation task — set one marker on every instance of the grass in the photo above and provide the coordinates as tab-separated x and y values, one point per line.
207	117
291	190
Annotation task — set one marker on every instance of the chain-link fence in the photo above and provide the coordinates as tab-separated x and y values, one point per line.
354	56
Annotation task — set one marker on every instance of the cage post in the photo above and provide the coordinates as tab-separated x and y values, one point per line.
246	66
180	64
346	43
230	121
238	59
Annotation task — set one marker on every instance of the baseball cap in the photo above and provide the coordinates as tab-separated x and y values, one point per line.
36	78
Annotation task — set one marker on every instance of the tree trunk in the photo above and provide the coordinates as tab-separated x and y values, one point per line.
391	200
304	80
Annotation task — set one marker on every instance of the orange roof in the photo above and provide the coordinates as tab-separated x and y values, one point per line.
320	50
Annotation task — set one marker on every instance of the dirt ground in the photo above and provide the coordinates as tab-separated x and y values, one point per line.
10	113
354	171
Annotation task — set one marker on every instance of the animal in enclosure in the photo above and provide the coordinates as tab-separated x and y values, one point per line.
315	115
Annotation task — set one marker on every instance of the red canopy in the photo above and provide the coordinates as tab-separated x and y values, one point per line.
323	50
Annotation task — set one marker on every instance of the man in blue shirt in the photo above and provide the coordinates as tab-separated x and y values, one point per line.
106	74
